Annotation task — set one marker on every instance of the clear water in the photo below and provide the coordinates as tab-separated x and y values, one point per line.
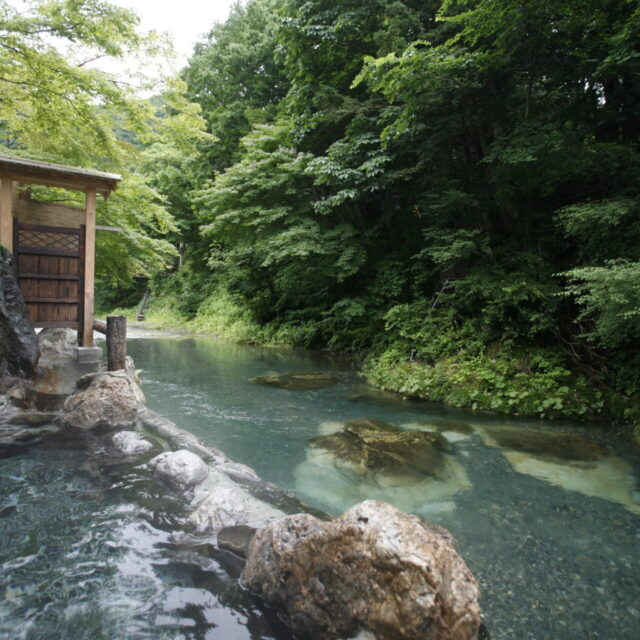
83	556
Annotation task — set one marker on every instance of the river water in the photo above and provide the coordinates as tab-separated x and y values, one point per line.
555	544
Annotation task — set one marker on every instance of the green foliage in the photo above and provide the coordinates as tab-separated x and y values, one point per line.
610	296
51	100
371	151
533	384
55	106
268	241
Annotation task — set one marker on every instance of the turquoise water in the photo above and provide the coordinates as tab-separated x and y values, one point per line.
88	550
553	563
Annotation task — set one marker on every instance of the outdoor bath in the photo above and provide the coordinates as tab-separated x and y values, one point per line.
551	561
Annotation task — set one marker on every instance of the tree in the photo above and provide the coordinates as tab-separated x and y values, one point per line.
56	106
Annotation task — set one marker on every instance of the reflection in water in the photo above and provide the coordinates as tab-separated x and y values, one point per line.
81	562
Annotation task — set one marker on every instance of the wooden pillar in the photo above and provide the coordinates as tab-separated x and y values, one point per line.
116	342
6	211
89	267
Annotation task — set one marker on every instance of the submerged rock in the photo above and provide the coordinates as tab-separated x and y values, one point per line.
368	458
219	503
452	430
371	446
555	446
180	468
15	436
57	343
566	460
107	399
374	568
130	443
299	381
236	539
365	393
19	351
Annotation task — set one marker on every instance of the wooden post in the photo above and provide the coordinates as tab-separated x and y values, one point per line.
6	211
89	267
116	342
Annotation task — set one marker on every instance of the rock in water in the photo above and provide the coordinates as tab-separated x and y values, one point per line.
374	569
180	468
374	447
236	539
130	443
19	351
366	458
555	446
299	381
570	461
107	399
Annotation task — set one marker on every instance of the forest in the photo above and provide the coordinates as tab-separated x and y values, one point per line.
448	189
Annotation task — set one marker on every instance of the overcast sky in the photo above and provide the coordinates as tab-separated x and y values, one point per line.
185	20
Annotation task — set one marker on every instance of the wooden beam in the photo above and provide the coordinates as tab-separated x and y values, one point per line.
6	211
89	267
100	327
62	183
48	214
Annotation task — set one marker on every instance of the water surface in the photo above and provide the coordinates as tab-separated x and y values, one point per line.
553	563
89	551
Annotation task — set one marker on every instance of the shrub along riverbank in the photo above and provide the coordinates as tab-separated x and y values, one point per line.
452	367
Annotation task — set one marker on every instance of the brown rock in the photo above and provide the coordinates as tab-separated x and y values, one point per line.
373	447
298	381
374	568
102	400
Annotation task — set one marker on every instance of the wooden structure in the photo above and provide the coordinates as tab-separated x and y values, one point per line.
54	245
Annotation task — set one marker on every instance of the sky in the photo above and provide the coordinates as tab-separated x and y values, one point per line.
185	20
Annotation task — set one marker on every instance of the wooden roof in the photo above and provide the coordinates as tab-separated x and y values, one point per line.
57	175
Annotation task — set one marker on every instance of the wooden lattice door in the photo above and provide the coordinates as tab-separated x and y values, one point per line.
50	262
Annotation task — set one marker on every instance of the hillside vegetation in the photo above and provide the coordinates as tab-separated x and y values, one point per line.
448	188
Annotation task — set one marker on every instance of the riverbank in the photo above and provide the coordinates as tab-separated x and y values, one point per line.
457	371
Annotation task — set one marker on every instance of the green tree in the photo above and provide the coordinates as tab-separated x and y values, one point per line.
56	106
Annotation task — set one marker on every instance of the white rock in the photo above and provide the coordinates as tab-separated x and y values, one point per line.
130	443
219	502
57	343
181	468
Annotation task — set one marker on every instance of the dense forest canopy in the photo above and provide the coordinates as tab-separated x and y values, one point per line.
451	187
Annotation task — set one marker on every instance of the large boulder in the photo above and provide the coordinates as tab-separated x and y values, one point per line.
107	399
19	351
418	471
374	569
373	447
